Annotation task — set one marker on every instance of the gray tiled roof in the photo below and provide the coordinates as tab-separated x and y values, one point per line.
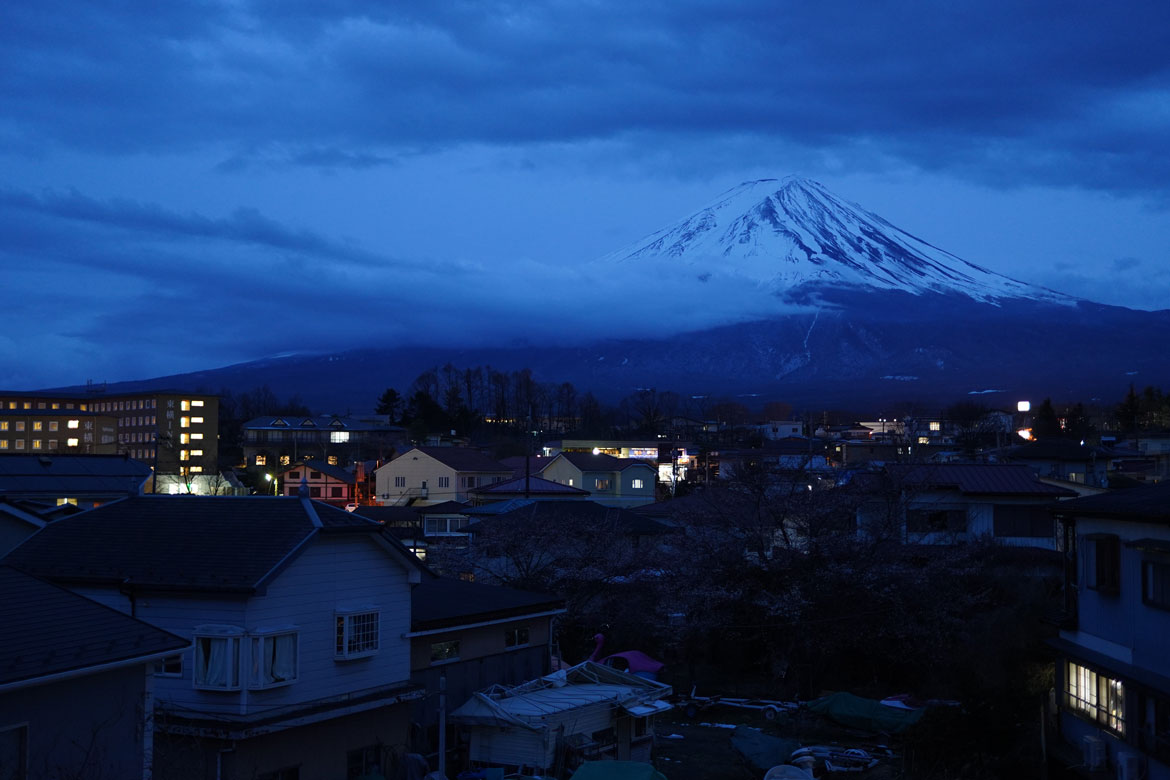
532	484
1148	503
442	602
71	475
181	542
48	630
583	513
587	461
977	478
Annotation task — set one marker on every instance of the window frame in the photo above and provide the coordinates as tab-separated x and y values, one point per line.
232	637
1106	568
1108	714
344	624
1161	600
261	660
440	657
514	635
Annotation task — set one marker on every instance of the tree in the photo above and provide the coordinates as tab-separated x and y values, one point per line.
389	404
1047	424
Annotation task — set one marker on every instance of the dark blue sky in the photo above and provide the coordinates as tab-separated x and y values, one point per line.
184	185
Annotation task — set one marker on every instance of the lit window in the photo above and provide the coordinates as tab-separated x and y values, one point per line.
56	406
71	442
936	426
36	444
184	438
601	484
274	660
284	460
338	437
19	444
196	420
3	444
3	425
38	425
27	405
217	661
20	425
197	404
637	484
185	405
184	455
923	440
196	470
196	437
331	460
261	460
444	652
357	634
196	453
53	425
1096	696
73	424
184	422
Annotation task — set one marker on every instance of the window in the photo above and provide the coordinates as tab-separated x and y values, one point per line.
184	438
184	422
1103	563
52	444
444	482
362	762
601	484
514	637
923	521
1154	724
197	404
314	492
217	660
1156	584
71	442
184	455
294	474
357	634
274	659
3	425
314	475
445	652
335	492
19	444
36	444
196	436
38	425
439	526
20	425
338	437
400	482
637	484
331	460
185	406
196	420
1095	696
936	426
171	666
261	460
3	444
468	482
72	424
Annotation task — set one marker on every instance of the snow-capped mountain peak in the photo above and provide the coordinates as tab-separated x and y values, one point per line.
793	232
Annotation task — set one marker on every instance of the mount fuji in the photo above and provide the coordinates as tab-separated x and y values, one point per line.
793	234
847	311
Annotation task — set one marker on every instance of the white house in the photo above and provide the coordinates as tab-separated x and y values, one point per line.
297	614
432	475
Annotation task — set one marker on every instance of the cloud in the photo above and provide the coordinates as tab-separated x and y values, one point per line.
994	91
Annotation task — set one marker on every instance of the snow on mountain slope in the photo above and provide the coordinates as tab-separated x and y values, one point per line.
782	234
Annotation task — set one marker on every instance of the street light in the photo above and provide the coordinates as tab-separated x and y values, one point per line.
273	480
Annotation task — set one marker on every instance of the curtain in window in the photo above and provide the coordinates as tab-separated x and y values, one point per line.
283	658
211	661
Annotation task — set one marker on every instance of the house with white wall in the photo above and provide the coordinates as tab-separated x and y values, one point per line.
1113	672
618	482
295	615
432	475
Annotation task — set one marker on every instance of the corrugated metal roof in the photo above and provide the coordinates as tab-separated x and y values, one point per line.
977	478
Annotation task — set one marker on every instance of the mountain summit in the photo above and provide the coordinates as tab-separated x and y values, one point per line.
793	233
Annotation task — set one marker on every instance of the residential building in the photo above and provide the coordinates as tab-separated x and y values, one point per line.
948	503
619	482
474	635
587	712
295	615
76	684
527	487
81	480
275	441
1113	672
781	429
175	431
432	475
331	484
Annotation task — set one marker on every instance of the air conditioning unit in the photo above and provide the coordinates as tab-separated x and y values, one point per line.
1129	766
1093	753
